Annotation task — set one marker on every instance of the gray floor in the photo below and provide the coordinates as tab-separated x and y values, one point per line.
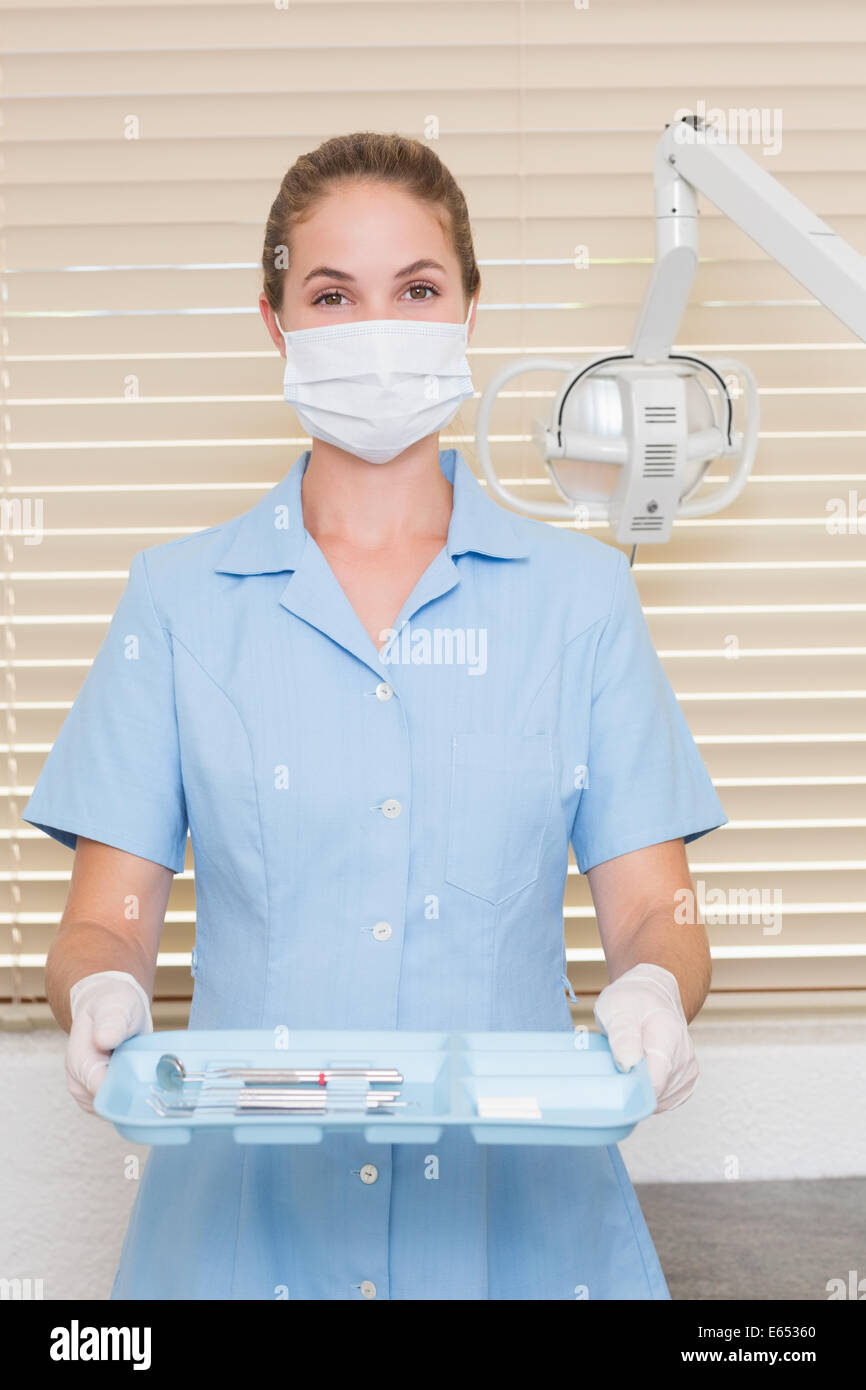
757	1240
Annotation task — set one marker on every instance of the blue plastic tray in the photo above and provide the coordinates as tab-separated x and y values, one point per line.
580	1095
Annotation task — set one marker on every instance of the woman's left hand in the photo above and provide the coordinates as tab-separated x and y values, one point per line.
641	1014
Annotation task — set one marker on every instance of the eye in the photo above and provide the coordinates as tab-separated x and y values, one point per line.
328	294
422	285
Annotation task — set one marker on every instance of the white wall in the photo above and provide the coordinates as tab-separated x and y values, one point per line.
782	1099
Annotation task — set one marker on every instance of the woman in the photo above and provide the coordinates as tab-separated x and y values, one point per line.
383	706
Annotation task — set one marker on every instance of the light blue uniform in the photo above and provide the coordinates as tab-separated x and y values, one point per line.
380	843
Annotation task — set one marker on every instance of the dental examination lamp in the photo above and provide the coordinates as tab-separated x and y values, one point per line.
633	435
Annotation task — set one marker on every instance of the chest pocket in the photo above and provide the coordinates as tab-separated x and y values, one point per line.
501	798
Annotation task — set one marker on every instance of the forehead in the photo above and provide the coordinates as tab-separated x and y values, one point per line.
371	226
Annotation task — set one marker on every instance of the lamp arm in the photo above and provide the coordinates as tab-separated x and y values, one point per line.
690	159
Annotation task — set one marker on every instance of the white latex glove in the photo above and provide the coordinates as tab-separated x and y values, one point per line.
642	1015
107	1008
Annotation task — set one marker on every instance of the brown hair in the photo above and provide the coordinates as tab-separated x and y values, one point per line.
390	158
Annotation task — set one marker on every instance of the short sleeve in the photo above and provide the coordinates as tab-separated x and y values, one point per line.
644	780
114	772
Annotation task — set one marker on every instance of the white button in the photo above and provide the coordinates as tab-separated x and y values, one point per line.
368	1288
369	1172
384	691
391	808
382	931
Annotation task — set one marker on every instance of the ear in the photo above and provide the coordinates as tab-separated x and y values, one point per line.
476	297
271	324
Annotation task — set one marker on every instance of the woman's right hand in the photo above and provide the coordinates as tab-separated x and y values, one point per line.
106	1008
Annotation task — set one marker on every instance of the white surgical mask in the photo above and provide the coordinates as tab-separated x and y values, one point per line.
375	386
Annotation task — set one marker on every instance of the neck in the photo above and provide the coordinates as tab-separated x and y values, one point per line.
376	506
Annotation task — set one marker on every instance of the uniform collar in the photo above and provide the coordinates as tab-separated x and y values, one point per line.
271	537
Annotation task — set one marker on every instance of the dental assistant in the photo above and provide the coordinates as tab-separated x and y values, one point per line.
380	827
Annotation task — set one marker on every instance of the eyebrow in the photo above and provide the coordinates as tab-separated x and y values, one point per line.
331	274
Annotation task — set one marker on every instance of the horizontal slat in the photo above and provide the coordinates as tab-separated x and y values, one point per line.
729	283
79	27
761	946
721	540
780	974
773	928
799	881
739	728
798	906
728	635
619	21
807	482
749	642
190	200
46	573
300	118
127	486
156	419
762	803
831	787
798	884
471	54
806	724
43	547
739	892
810	839
570	154
200	247
728	975
163	401
576	333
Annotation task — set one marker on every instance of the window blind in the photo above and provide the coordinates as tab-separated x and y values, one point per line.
142	146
